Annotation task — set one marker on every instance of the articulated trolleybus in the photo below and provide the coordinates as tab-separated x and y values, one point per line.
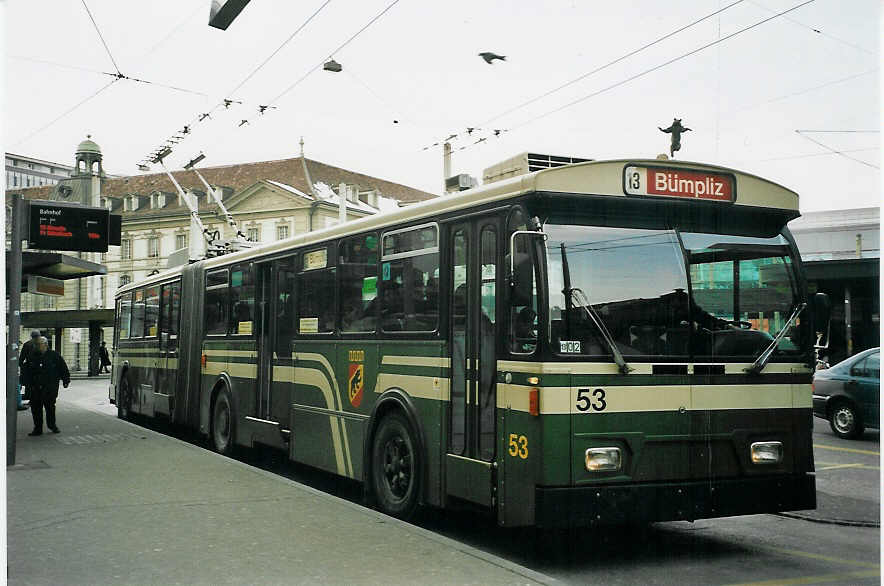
603	342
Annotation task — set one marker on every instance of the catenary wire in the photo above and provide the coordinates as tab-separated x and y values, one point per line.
341	46
817	31
610	63
650	70
598	69
802	134
100	36
61	65
65	113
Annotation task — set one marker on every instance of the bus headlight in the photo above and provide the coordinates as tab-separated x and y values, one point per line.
603	459
766	452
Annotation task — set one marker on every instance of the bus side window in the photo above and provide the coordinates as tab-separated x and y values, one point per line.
316	293
242	299
171	303
410	280
151	311
137	329
125	316
217	302
358	287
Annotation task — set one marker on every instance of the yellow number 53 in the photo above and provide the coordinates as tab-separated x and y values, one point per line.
518	446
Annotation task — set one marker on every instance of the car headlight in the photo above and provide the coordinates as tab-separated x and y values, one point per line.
766	452
603	459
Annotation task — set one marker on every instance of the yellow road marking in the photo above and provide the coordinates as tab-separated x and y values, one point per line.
851	450
840	466
817	556
841	578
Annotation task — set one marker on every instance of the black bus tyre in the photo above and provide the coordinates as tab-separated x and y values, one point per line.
223	423
124	399
845	421
395	467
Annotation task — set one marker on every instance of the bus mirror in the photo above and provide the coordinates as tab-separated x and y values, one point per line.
822	311
521	267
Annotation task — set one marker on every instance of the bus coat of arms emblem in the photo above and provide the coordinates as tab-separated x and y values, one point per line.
355	383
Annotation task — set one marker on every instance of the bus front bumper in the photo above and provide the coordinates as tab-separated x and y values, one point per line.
673	501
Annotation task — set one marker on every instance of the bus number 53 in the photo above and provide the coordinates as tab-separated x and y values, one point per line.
594	400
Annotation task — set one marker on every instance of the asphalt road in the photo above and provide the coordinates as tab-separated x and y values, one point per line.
761	550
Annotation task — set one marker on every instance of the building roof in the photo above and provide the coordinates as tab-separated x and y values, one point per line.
287	174
836	219
242	175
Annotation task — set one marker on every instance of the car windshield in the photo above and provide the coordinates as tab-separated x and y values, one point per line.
662	293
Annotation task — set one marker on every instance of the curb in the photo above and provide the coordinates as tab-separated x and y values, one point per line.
825	521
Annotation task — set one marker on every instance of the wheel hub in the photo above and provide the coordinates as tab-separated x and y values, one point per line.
844	420
397	466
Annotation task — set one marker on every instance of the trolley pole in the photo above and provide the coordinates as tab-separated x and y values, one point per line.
14	323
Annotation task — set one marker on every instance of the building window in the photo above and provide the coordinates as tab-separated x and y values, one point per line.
180	241
282	232
126	249
153	247
253	235
125	280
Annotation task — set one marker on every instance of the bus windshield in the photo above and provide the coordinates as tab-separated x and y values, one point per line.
665	294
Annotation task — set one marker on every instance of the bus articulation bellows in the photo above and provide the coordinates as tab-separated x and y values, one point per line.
604	342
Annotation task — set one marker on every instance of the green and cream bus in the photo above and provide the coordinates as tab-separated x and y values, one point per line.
603	342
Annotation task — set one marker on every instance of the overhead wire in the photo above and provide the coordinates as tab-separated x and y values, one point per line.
271	104
655	68
811	155
594	71
65	113
100	36
817	31
802	133
227	101
339	48
61	65
610	63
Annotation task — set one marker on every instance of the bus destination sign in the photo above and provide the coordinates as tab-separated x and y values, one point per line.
54	226
680	183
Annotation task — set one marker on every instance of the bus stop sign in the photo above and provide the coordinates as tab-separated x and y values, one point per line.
62	226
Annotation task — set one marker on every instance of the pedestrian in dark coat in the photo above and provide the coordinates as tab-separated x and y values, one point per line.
45	369
104	357
27	349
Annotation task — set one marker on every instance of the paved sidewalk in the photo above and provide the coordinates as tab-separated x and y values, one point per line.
109	502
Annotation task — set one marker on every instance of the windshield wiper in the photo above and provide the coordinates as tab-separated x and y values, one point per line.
583	301
764	357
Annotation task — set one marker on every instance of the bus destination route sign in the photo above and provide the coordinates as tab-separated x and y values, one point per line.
680	183
55	226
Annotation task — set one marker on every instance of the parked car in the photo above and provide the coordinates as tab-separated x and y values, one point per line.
849	394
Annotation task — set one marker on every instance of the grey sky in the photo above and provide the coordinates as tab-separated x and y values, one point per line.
744	98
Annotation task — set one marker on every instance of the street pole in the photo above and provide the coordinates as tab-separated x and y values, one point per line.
14	327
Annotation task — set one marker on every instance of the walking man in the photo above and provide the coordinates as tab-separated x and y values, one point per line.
28	349
104	357
43	372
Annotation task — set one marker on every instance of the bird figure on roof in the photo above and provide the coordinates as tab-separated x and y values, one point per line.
489	57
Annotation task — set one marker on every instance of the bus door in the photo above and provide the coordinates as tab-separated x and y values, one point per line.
276	280
473	250
167	367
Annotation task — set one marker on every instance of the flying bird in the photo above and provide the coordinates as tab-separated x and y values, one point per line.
489	57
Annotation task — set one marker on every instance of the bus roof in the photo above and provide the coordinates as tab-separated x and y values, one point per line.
604	178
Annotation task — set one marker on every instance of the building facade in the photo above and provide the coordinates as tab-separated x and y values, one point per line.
270	201
841	250
24	171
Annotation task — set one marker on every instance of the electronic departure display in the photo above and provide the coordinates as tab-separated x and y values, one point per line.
56	226
680	183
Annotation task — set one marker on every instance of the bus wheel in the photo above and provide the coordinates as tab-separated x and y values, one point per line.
395	473
124	399
223	423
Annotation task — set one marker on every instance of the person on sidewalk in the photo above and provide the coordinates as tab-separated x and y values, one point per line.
44	370
27	349
104	357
